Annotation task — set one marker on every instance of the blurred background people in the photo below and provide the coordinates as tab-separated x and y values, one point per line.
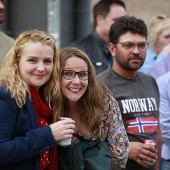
6	42
159	40
164	110
163	66
160	68
105	13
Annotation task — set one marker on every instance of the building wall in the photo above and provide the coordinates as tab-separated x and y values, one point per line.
72	19
145	9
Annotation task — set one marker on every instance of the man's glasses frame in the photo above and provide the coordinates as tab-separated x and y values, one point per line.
70	74
130	46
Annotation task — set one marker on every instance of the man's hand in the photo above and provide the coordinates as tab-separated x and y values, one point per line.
140	151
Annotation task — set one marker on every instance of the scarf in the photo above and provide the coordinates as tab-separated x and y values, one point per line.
48	159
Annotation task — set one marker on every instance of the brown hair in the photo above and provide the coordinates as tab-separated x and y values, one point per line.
90	106
103	8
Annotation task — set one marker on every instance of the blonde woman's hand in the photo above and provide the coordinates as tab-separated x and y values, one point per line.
62	129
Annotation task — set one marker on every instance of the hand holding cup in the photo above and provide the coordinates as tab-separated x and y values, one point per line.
63	130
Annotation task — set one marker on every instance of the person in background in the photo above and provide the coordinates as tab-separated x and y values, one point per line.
137	93
95	112
6	42
163	66
164	84
159	40
28	93
105	13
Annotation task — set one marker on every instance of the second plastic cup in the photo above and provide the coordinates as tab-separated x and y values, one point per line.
64	142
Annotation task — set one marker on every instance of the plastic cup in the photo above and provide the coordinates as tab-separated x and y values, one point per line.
64	142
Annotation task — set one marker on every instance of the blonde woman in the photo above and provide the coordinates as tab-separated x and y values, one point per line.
159	42
28	90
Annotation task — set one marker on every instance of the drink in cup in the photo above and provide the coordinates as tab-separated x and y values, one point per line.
64	142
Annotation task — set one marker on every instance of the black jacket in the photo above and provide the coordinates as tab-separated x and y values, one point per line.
96	49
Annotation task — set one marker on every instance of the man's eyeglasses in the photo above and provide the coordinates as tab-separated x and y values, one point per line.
70	74
130	46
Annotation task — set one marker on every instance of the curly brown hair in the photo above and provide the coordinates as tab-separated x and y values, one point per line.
90	106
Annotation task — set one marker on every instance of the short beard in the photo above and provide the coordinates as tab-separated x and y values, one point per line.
125	64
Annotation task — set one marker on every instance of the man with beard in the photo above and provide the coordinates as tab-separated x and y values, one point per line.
136	93
6	42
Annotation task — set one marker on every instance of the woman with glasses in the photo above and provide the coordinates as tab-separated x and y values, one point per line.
95	112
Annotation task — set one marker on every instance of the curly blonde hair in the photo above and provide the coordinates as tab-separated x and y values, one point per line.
90	106
10	75
155	26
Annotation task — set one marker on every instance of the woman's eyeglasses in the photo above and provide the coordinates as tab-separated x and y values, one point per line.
70	74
